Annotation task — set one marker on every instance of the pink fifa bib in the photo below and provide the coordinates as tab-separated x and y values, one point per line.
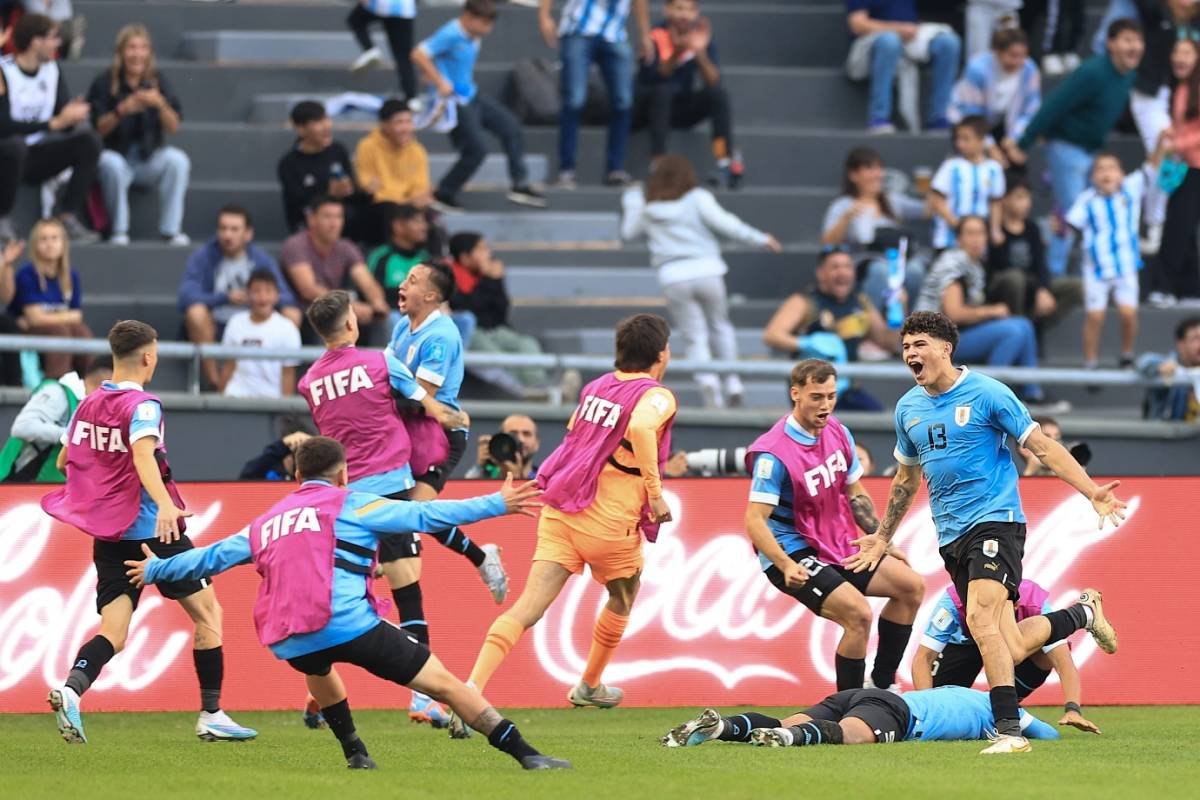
1030	603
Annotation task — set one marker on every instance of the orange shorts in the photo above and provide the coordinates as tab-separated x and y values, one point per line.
610	559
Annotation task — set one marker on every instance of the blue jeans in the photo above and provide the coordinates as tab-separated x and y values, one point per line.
484	114
886	52
1117	9
615	60
875	282
1008	342
1070	169
167	170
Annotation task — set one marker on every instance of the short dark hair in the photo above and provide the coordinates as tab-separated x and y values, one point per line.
30	27
1005	38
104	365
932	323
1119	26
328	312
319	457
441	277
1014	181
391	107
129	336
812	369
320	201
640	340
965	218
403	212
1185	327
462	243
484	9
262	275
1106	154
973	122
307	111
233	209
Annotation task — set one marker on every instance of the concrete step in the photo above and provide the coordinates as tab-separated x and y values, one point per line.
599	341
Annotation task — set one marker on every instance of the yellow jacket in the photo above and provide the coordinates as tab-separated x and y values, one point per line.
401	172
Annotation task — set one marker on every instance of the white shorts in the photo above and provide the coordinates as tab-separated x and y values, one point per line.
1096	291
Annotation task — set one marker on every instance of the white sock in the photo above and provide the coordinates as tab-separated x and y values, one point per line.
788	737
716	734
1091	616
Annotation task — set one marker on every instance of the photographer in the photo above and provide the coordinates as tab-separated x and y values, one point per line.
711	462
276	462
1050	427
509	452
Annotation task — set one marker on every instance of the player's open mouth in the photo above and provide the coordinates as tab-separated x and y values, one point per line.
822	418
916	367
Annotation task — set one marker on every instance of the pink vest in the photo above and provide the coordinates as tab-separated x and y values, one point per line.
1030	603
350	397
103	493
819	474
569	477
430	446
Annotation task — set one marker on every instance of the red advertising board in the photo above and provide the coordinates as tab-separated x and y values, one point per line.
707	628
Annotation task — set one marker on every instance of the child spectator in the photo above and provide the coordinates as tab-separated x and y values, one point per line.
966	184
260	326
316	166
1005	88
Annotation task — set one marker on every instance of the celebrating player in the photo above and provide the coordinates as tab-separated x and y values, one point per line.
119	491
315	550
951	427
805	501
602	493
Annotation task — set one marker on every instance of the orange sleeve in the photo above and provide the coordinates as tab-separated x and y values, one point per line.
649	416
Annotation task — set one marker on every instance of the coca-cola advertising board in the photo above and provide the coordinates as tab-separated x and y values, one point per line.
707	628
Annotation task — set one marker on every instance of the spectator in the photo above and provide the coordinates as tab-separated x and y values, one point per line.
316	166
447	60
1034	468
71	28
667	95
10	362
319	260
831	321
393	167
31	453
865	459
1075	120
1004	88
260	326
865	219
39	137
1062	29
1115	10
1174	401
134	109
216	279
523	468
986	18
681	223
988	334
889	39
48	298
277	460
399	19
405	248
966	184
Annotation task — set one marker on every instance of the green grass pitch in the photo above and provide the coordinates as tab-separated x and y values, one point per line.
1145	752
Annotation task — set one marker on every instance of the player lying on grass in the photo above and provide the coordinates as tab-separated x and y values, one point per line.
315	551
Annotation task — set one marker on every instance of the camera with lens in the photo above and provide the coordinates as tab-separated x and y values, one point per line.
1080	452
715	461
502	448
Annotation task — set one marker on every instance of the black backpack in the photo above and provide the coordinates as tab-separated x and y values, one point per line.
532	92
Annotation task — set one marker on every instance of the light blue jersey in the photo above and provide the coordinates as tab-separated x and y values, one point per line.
955	713
946	626
602	18
365	518
958	438
434	353
399	479
454	52
969	189
1109	224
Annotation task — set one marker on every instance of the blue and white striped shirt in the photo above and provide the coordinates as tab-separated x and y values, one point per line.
1109	224
603	18
405	9
969	189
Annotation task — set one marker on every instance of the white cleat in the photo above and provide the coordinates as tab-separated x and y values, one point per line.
1004	744
1101	629
367	59
601	696
771	737
694	732
492	572
218	727
65	705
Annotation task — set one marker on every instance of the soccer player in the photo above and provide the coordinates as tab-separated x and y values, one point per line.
119	491
948	656
806	500
602	494
315	550
952	427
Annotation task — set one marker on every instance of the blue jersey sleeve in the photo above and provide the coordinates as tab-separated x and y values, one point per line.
384	516
1009	414
905	452
202	561
442	41
435	359
1034	728
856	469
146	421
944	625
766	484
401	378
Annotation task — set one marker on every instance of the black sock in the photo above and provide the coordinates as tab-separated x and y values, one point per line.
816	731
738	727
95	653
210	669
412	611
342	724
1065	622
458	541
507	739
850	671
1006	710
893	638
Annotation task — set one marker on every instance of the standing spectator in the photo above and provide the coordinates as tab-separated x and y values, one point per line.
667	95
587	33
48	300
447	60
682	224
966	184
1004	88
886	34
1075	120
1062	30
399	19
38	134
316	166
10	362
392	167
216	280
405	248
1174	401
524	432
1115	10
134	109
986	18
260	326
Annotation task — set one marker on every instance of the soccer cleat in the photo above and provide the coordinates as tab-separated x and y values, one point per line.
424	709
360	761
1101	629
458	728
694	732
65	704
313	718
544	762
1004	744
492	572
218	727
368	58
771	737
601	696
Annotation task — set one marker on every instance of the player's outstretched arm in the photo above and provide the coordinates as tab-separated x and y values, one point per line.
872	547
201	562
401	516
1060	461
922	668
1068	676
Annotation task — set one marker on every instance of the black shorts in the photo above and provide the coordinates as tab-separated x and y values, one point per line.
885	712
112	582
823	579
960	665
384	651
399	545
990	551
438	474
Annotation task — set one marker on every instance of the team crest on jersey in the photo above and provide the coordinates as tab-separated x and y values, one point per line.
412	353
990	548
962	415
941	619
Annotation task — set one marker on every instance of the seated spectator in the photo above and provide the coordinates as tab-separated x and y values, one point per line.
318	260
316	166
277	461
406	247
967	183
522	467
47	300
865	459
215	281
260	326
889	39
667	95
988	334
866	220
1005	89
10	362
134	109
39	133
831	320
31	453
393	168
1174	401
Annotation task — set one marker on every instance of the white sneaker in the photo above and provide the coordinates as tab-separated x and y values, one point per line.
492	572
1161	300
218	727
1052	65
1071	62
600	696
1003	744
178	240
367	59
119	239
